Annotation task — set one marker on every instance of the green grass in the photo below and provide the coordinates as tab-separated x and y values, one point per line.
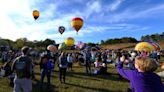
77	81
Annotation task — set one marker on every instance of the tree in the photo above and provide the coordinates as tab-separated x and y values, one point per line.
47	42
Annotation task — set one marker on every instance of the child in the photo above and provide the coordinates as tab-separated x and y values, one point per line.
98	65
142	79
45	67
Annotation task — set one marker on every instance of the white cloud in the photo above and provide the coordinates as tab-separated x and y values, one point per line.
17	21
115	5
92	7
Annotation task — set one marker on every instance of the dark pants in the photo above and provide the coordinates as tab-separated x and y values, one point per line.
88	67
70	65
62	74
48	74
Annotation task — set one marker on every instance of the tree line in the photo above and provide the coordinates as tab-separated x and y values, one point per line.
153	37
41	45
19	43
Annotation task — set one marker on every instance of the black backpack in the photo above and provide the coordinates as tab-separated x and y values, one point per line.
22	68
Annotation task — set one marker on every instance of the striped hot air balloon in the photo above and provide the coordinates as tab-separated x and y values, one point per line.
77	23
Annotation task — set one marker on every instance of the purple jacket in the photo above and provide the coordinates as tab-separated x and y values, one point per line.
141	82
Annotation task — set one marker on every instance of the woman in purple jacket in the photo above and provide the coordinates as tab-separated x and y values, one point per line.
142	79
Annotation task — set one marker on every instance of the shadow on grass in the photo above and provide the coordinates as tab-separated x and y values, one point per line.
91	88
45	88
107	76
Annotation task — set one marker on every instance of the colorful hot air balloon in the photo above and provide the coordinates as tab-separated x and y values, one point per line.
52	48
155	45
69	41
80	45
61	29
77	23
144	46
36	14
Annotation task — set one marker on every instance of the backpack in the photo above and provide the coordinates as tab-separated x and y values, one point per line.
50	65
21	67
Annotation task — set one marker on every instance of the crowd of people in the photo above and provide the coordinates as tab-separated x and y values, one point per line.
135	66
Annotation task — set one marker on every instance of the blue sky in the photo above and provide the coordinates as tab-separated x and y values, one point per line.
103	19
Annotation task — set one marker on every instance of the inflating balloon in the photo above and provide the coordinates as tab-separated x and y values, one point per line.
155	45
36	14
77	23
52	48
80	45
61	29
144	46
69	41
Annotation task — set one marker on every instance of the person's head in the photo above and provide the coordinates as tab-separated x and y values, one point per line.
145	64
25	50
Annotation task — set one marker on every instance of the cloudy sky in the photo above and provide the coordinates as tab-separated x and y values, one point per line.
103	19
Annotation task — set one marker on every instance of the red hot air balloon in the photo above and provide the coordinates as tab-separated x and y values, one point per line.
77	23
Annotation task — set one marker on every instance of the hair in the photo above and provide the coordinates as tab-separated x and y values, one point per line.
63	54
146	64
25	49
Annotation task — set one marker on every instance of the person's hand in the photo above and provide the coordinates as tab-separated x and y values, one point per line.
162	65
122	59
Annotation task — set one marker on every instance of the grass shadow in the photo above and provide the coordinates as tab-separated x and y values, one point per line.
91	88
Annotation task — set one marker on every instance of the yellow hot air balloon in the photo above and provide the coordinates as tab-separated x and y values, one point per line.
36	14
144	46
77	23
69	41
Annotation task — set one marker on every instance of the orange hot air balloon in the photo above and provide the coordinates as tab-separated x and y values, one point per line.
77	23
36	14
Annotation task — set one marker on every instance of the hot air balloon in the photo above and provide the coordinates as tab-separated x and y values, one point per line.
80	45
155	45
77	23
52	48
144	46
69	41
61	29
36	14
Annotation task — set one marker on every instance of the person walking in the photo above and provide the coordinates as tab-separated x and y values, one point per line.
63	66
22	65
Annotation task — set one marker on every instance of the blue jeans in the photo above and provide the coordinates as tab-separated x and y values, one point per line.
47	73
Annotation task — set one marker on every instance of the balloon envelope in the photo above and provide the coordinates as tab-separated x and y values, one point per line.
52	48
35	14
144	46
61	29
77	23
69	41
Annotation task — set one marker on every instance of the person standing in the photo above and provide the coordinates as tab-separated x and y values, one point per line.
46	68
63	66
88	62
23	67
69	60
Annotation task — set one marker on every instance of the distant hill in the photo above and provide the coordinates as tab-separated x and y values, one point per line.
125	46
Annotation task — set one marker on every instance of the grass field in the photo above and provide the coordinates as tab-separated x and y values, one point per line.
77	81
